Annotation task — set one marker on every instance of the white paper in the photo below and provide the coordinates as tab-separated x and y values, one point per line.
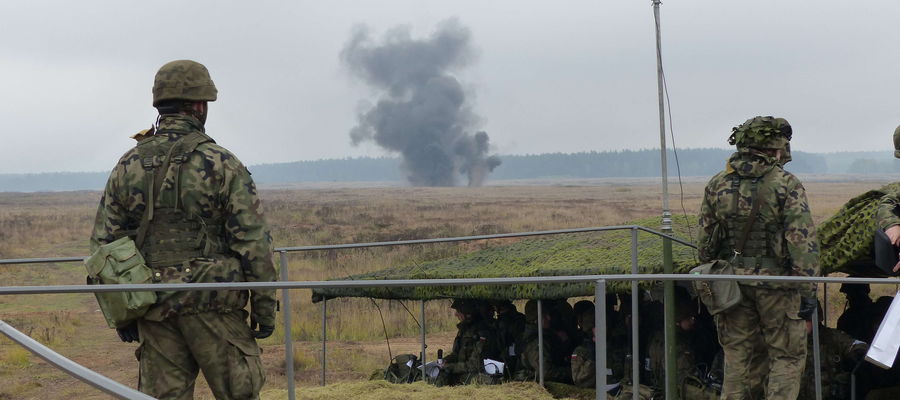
493	367
512	350
431	369
409	364
883	350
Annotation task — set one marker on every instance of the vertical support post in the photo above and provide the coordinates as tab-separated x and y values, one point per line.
668	286
600	337
288	337
817	362
540	329
422	319
825	304
324	338
635	332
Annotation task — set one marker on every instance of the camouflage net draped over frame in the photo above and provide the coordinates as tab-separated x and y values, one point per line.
847	236
588	253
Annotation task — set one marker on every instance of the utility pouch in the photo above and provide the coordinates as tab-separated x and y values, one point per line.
718	296
120	262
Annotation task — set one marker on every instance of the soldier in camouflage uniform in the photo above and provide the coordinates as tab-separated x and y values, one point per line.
556	360
888	215
510	324
475	341
203	223
782	241
839	355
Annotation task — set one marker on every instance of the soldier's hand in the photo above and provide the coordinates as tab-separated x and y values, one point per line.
260	331
129	333
893	233
807	307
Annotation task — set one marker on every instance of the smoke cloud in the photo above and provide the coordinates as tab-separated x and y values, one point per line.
421	112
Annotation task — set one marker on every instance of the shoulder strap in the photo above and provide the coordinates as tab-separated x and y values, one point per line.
157	172
754	212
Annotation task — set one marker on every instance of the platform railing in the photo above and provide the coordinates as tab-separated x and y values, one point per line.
598	280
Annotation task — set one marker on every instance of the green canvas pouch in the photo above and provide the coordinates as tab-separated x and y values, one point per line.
718	296
120	262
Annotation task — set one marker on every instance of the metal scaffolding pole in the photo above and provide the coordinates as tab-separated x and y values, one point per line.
288	338
635	335
424	357
600	337
669	287
540	329
324	338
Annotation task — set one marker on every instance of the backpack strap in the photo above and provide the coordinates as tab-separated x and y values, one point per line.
157	168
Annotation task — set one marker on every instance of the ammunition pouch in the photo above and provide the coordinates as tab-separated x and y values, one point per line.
718	296
120	262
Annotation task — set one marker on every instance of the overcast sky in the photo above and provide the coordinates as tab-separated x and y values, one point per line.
548	76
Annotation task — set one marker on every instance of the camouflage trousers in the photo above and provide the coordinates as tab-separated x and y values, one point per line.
766	316
174	350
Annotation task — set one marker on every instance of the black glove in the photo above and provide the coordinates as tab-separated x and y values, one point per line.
264	330
129	333
807	307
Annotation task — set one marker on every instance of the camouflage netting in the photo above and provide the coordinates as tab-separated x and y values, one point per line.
846	238
556	255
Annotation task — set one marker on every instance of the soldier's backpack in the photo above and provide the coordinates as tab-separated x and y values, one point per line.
404	368
120	261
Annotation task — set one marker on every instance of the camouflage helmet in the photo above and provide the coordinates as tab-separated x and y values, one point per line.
183	80
897	142
762	133
464	306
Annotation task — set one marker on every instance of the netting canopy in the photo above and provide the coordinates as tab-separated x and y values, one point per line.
588	253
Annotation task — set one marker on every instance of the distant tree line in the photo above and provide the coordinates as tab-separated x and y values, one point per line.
624	163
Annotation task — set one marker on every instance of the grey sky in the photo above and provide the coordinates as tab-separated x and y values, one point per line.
548	76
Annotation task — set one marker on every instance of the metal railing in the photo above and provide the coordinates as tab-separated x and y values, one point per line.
286	285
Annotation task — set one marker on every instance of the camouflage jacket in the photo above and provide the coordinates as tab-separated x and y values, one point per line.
838	354
214	190
584	365
886	214
784	229
556	369
473	343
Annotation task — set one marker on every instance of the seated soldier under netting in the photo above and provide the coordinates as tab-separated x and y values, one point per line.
556	361
838	354
475	341
510	324
695	344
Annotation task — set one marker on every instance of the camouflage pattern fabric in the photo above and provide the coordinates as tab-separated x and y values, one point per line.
555	367
474	342
762	133
772	315
685	362
219	344
838	354
183	80
510	326
213	186
783	232
584	365
847	235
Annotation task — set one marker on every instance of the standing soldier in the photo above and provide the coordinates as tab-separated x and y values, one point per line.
755	214
193	210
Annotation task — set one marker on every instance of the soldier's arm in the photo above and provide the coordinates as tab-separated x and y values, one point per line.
885	215
707	240
583	369
800	234
249	237
111	216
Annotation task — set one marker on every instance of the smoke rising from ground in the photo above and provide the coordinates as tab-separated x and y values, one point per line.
421	112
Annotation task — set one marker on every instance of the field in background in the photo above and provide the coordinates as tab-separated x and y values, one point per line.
58	224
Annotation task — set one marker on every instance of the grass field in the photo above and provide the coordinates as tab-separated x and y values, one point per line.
58	224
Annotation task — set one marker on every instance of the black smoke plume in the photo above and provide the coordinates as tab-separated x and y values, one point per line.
422	111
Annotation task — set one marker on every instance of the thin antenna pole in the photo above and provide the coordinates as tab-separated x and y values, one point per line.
669	286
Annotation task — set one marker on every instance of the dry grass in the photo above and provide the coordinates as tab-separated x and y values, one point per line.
382	390
58	224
